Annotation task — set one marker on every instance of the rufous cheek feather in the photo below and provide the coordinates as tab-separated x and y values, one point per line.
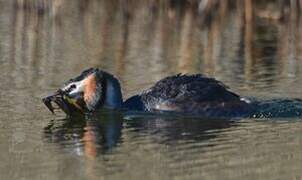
90	88
92	92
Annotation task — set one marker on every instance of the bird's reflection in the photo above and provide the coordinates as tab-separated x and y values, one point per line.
92	135
175	128
86	135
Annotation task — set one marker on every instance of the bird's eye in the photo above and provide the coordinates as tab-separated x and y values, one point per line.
73	86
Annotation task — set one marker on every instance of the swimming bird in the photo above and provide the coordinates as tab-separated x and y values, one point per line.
194	94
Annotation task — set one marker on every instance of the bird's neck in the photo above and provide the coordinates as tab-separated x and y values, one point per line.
113	93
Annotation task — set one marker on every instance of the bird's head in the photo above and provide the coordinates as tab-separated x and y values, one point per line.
85	93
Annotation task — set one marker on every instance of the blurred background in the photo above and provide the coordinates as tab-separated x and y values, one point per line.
253	46
247	44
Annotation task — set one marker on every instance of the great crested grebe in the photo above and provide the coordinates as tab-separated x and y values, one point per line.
189	94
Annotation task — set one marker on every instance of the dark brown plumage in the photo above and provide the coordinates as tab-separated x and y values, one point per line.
189	94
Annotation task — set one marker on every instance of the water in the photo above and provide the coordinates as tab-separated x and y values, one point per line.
255	50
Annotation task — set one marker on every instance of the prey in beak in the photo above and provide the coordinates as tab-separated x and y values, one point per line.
56	98
59	100
81	94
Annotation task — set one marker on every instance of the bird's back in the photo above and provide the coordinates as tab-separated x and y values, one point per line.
194	94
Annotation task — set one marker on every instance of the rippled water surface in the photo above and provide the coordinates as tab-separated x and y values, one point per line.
254	48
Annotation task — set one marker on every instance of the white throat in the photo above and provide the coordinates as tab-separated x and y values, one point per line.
113	99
